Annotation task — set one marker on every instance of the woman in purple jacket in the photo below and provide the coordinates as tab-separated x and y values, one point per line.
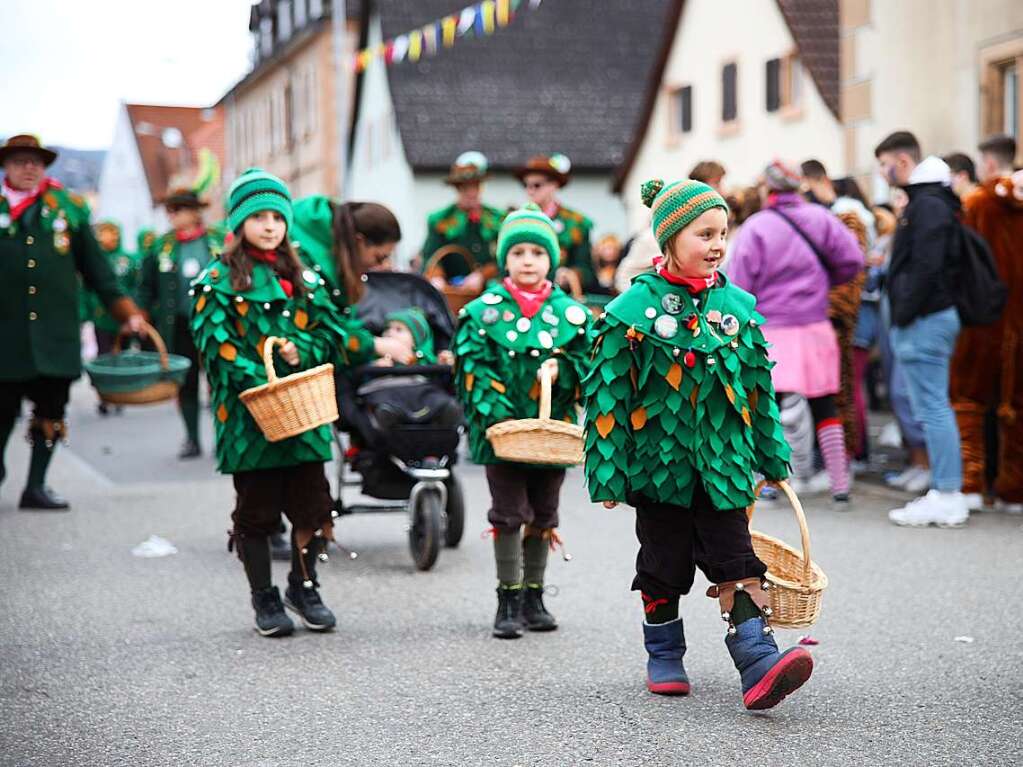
789	255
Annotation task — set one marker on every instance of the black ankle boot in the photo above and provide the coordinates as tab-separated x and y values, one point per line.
508	621
42	499
271	620
534	613
189	449
305	602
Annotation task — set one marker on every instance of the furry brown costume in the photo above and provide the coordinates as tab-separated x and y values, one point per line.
987	368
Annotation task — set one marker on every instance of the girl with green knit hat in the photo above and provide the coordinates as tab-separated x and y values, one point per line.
258	288
505	336
680	416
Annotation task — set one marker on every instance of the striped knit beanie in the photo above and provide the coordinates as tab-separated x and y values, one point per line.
528	224
255	190
676	205
780	176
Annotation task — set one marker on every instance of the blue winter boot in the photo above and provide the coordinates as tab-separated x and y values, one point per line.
665	645
767	675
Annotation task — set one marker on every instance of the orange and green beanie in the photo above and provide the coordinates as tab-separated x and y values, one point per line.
677	205
527	224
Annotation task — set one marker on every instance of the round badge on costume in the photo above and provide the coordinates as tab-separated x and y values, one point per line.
666	326
190	268
575	314
491	299
512	335
559	225
672	303
523	324
310	276
730	324
489	316
545	339
59	225
549	317
650	312
713	316
508	315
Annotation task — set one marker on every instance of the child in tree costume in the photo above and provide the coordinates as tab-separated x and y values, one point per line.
467	224
169	267
257	289
680	414
505	336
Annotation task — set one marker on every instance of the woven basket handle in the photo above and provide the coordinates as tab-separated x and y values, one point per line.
150	331
797	508
268	357
546	382
441	253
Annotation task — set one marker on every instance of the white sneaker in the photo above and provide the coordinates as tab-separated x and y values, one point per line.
1008	508
935	508
975	502
815	485
920	482
900	479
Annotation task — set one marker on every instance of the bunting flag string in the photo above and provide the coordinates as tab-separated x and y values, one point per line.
479	20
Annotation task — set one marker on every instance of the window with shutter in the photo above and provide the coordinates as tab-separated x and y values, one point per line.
729	92
773	76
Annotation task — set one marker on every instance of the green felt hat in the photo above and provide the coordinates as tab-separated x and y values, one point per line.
678	204
422	334
256	190
528	224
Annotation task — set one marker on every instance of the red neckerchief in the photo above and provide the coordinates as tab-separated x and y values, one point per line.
551	211
695	285
474	214
269	257
529	301
25	200
189	235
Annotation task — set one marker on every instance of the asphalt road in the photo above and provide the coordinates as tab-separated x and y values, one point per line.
111	659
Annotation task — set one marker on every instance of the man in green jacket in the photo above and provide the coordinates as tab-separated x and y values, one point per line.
45	242
175	259
466	226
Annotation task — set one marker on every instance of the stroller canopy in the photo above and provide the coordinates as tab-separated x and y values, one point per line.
388	292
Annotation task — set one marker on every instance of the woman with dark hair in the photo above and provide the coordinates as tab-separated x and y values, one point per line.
341	241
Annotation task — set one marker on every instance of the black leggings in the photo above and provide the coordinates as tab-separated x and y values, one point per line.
821	408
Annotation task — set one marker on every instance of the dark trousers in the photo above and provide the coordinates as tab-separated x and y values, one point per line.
523	495
300	492
675	540
49	397
185	346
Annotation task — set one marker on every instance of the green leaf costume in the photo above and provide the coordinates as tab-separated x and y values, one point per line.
499	351
167	270
679	394
451	226
230	328
573	231
127	269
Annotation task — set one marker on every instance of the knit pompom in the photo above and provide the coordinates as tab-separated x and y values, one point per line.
650	190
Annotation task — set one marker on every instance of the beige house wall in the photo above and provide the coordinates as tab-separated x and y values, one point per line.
301	144
744	147
917	65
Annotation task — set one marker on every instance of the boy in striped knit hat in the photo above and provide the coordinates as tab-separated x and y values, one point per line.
680	414
504	338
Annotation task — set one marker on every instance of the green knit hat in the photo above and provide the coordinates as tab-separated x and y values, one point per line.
255	190
528	224
677	205
422	334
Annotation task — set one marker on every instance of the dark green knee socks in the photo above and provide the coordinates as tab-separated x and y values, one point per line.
508	555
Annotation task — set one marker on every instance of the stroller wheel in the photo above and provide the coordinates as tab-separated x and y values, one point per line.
455	512
427	529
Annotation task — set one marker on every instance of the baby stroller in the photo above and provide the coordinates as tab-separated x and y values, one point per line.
409	467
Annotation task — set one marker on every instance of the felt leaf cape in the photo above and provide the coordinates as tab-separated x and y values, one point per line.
657	426
230	329
498	354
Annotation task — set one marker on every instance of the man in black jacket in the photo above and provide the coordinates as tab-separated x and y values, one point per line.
921	293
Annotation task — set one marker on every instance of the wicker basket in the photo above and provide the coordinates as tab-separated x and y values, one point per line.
286	407
538	440
456	295
797	583
138	377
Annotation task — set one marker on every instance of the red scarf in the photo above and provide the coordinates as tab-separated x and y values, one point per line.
695	285
474	214
529	301
269	257
20	201
189	235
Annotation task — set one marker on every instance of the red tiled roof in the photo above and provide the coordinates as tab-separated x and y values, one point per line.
169	139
